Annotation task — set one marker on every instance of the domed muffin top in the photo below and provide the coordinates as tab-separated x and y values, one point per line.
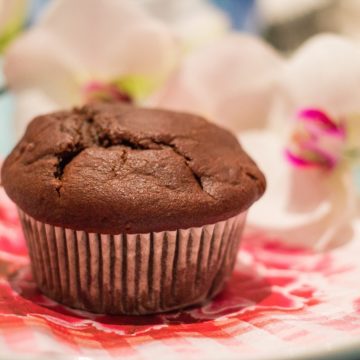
116	168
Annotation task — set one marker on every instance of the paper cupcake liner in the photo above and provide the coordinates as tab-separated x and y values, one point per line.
132	273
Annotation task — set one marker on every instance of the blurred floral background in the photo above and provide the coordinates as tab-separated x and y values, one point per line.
283	24
283	75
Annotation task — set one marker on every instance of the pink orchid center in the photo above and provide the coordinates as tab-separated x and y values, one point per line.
316	140
102	91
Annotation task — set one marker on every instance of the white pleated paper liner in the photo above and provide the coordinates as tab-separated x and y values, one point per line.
132	273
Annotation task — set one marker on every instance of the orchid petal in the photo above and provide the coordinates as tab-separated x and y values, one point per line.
303	207
324	73
39	59
112	39
232	81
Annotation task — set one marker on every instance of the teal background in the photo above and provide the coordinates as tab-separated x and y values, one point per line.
6	123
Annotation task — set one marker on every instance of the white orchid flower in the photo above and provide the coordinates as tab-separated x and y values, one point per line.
311	198
304	205
88	48
12	15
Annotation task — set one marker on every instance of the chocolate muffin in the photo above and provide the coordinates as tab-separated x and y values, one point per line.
129	210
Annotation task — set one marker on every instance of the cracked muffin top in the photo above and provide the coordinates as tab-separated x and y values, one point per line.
116	168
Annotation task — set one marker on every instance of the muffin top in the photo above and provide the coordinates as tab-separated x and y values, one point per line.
116	168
